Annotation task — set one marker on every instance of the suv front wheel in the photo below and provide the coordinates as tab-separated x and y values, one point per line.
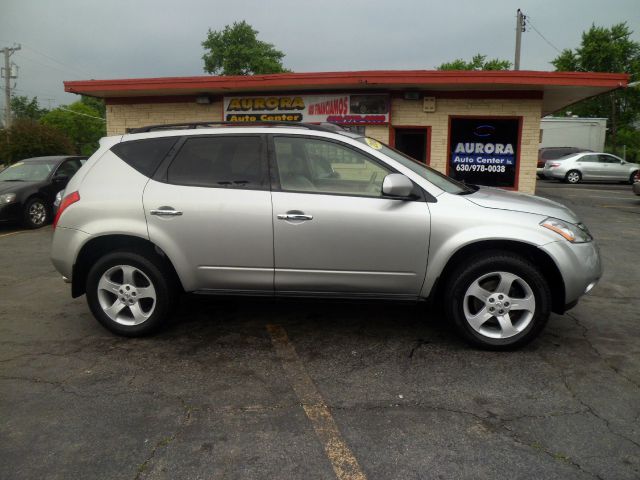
498	300
130	293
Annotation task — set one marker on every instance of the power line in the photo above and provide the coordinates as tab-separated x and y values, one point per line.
83	114
77	68
528	21
49	65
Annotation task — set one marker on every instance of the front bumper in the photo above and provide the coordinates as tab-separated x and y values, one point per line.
579	265
10	212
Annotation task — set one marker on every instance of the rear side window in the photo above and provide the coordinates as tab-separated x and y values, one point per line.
144	155
220	162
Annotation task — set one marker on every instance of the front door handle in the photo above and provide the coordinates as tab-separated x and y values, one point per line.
294	216
166	212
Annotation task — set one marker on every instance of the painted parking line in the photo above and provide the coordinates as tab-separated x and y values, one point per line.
610	197
635	207
344	463
11	233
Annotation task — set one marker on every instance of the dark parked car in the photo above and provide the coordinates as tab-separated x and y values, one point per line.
636	183
28	188
553	153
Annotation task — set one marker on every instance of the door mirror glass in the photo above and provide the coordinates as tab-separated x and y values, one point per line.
397	185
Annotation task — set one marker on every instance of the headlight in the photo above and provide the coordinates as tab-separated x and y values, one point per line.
7	198
572	233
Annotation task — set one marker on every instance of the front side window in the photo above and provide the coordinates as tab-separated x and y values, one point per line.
441	181
609	159
69	168
220	162
320	166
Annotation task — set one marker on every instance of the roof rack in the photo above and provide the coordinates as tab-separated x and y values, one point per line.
323	127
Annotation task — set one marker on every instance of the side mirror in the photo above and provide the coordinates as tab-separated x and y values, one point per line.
61	178
397	185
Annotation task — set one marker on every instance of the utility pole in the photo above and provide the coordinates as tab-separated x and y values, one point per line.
7	74
520	27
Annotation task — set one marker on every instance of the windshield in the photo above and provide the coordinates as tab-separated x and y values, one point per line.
441	181
27	172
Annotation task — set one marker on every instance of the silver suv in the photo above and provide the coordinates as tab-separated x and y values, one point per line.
310	211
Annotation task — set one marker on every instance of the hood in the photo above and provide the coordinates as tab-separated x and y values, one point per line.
521	202
14	187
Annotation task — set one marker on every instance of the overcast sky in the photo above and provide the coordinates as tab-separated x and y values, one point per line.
83	39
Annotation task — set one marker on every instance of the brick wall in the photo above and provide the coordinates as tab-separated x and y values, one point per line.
121	117
403	112
409	112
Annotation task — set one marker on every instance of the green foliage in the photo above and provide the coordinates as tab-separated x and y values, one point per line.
96	103
478	62
79	123
28	138
607	50
236	50
24	109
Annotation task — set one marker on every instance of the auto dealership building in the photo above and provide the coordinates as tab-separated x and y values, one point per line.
482	127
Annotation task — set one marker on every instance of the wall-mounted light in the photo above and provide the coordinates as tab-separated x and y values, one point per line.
203	100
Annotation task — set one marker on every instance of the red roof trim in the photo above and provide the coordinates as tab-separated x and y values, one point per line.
351	79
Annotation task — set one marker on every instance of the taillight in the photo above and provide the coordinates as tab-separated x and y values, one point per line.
553	164
66	202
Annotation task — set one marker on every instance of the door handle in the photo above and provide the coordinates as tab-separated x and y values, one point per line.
166	212
294	216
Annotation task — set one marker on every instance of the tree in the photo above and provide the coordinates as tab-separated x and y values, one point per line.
28	138
236	50
96	103
478	62
23	108
80	122
608	50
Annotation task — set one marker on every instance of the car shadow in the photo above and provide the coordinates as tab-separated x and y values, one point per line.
202	318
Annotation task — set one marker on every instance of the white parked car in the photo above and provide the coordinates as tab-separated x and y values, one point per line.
591	166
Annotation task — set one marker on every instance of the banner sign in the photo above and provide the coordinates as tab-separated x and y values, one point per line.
484	151
345	109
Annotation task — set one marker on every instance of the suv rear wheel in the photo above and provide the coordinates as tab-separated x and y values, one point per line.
130	293
498	301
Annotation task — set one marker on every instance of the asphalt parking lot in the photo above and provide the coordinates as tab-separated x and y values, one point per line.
250	389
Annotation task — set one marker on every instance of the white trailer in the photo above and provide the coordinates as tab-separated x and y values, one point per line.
587	133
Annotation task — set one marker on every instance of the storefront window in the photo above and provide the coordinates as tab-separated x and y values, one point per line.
484	151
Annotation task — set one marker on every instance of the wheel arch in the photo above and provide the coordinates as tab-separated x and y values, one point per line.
539	258
99	246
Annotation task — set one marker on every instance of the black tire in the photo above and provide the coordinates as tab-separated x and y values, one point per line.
36	213
570	172
157	273
632	176
495	261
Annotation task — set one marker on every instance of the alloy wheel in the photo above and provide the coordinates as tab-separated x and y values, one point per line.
499	305
126	295
37	213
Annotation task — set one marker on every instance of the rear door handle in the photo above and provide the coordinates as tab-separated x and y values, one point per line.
294	216
166	212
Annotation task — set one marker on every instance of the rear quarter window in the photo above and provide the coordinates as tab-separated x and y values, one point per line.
145	155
